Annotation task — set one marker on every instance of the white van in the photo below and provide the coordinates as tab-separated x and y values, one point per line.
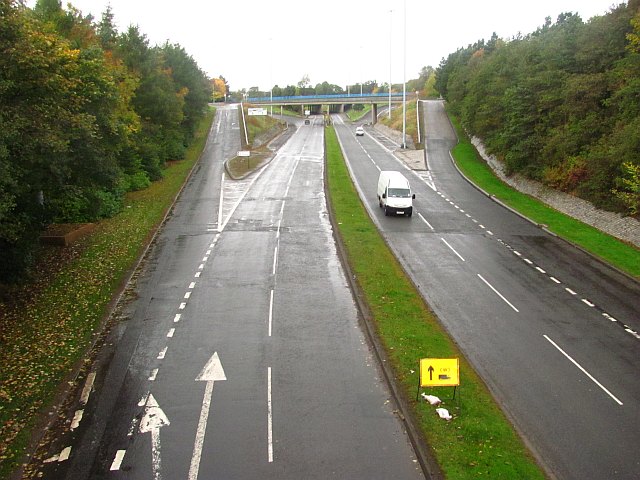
394	193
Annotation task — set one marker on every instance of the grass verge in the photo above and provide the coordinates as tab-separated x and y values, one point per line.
613	251
44	338
479	441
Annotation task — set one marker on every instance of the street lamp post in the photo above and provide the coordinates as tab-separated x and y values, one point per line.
404	82
271	73
390	36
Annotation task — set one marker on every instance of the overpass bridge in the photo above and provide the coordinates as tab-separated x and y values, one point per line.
334	102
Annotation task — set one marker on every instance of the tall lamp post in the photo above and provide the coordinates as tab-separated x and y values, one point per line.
390	36
271	72
404	82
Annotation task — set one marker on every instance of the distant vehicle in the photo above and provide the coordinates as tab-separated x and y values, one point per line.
359	131
394	193
307	121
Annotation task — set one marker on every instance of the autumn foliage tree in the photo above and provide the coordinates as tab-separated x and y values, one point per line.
560	105
86	114
220	89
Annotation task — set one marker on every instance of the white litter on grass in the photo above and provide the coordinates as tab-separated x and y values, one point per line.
432	399
443	413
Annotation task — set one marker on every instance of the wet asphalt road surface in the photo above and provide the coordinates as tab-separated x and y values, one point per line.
238	352
553	332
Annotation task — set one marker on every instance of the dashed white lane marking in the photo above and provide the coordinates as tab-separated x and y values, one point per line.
182	306
192	285
154	375
162	353
498	293
177	318
197	275
531	263
86	391
117	461
425	221
269	418
583	370
271	313
205	258
452	249
63	456
201	266
275	260
187	295
77	418
171	332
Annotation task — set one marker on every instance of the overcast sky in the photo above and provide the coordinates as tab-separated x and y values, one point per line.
263	43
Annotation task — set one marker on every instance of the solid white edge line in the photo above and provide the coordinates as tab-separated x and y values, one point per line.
452	249
498	293
269	417
583	370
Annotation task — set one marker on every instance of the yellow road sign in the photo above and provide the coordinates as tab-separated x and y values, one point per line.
439	372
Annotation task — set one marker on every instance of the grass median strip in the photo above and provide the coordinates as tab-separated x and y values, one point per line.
479	441
45	337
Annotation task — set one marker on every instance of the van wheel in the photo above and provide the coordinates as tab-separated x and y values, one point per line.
386	211
409	213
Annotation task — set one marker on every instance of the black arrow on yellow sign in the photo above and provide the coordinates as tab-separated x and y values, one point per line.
430	369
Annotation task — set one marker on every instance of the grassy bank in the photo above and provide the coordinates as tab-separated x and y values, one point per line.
479	441
47	334
608	248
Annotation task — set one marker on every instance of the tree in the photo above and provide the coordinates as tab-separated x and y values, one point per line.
219	88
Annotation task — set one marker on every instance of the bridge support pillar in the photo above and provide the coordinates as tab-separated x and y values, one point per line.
374	113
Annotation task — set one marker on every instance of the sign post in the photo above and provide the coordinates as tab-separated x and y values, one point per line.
439	372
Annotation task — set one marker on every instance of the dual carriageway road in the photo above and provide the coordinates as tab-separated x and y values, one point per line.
239	353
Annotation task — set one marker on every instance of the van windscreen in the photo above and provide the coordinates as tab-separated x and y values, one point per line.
399	192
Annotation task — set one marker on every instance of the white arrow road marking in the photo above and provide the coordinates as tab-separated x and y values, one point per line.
152	421
211	373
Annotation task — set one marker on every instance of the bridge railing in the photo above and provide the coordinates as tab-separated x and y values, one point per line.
315	98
